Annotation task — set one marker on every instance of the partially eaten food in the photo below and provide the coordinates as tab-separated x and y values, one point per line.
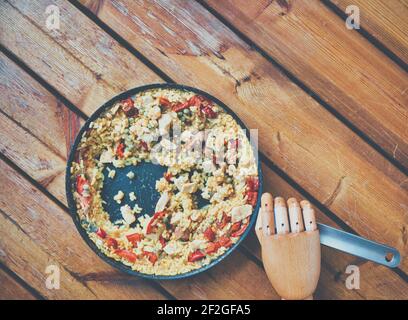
207	155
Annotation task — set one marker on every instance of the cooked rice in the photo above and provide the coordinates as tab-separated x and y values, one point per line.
183	237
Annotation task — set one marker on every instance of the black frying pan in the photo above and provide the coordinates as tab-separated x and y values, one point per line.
147	174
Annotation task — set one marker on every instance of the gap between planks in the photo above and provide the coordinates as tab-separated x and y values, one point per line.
33	292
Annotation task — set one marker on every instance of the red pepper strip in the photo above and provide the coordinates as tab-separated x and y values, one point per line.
80	182
129	256
101	233
85	201
132	112
236	226
195	256
252	197
144	145
195	101
152	221
134	238
252	183
112	243
128	102
198	101
214	158
212	247
210	113
225	242
129	108
164	102
209	234
180	106
240	231
162	241
151	256
168	176
120	150
225	219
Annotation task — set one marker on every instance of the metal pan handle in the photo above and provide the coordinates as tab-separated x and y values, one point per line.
359	246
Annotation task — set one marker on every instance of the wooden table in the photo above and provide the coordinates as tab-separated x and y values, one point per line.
330	105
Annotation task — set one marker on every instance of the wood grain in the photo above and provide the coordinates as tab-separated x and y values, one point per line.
384	20
12	290
341	66
36	127
296	133
87	67
36	233
274	183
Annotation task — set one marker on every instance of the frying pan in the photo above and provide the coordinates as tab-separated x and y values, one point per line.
144	186
146	175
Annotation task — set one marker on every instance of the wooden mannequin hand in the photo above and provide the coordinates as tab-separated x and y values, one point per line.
291	251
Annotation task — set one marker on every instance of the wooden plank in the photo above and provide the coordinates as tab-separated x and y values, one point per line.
384	20
273	183
20	144
24	108
35	233
295	132
341	66
12	290
88	68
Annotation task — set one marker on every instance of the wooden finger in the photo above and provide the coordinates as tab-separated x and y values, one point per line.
258	225
281	216
268	220
309	216
295	216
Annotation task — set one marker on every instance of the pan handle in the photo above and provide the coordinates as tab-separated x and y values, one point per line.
359	246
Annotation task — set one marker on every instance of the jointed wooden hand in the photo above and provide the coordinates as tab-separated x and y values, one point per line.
290	246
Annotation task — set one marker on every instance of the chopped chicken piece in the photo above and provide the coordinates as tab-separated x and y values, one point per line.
107	156
171	248
164	123
168	145
119	196
111	173
180	181
176	217
208	166
241	212
132	196
197	244
127	214
130	175
189	187
161	204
